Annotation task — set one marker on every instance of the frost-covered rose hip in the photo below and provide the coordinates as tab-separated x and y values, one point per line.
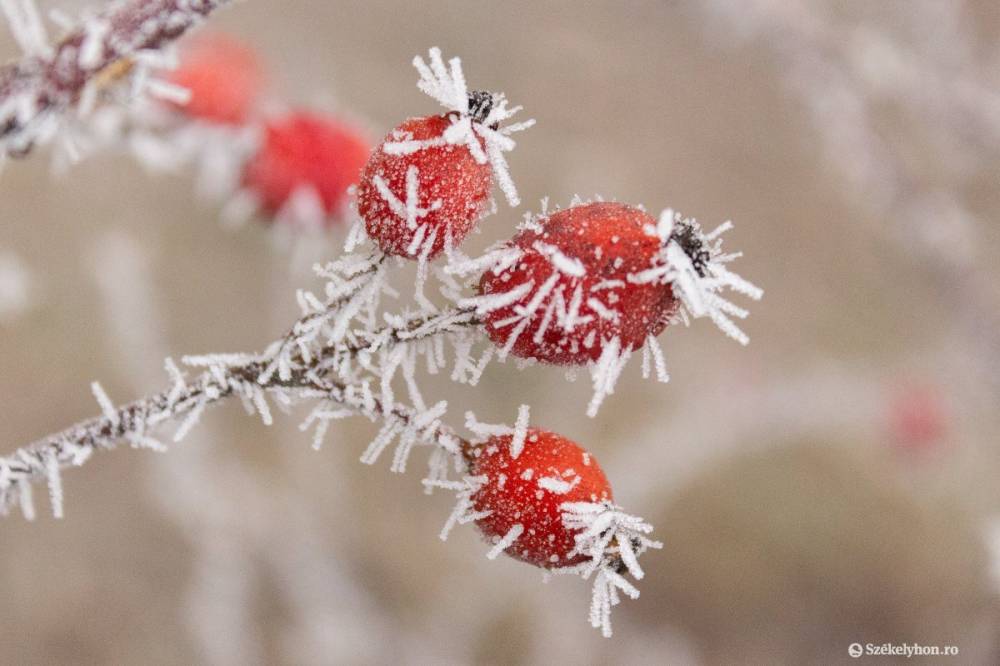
223	76
303	152
429	181
524	494
573	290
424	196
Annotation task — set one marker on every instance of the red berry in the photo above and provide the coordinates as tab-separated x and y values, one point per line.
223	76
578	262
305	149
529	489
918	418
452	190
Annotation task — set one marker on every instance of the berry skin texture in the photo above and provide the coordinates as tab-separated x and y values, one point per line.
582	255
452	187
528	491
225	79
304	149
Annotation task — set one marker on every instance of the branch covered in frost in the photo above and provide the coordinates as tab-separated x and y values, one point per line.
50	80
320	357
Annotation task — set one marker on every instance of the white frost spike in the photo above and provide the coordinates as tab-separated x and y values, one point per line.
384	437
490	302
409	210
55	484
25	499
562	263
605	373
605	597
506	542
603	530
653	348
108	407
610	539
486	430
168	92
665	225
557	486
26	27
189	422
463	511
92	46
520	431
697	291
260	402
447	86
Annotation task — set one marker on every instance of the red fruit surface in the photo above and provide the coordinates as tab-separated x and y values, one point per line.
447	173
518	491
306	149
223	75
611	242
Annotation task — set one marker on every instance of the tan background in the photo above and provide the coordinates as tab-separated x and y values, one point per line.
853	146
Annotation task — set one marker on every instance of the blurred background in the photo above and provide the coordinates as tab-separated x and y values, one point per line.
832	483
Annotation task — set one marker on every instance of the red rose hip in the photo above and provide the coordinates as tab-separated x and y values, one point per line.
426	196
523	495
575	285
223	76
429	181
306	150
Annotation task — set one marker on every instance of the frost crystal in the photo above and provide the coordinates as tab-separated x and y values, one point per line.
470	128
349	353
693	263
612	540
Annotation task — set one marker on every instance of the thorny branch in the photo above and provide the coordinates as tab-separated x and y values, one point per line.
48	81
288	366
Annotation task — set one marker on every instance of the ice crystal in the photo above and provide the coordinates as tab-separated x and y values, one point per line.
470	128
612	540
693	263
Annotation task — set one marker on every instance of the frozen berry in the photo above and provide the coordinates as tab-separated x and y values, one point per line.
524	493
424	196
575	285
306	150
223	76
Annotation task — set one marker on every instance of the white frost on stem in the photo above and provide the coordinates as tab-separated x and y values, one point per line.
693	264
38	90
612	541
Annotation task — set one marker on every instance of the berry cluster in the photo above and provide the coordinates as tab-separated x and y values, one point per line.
293	166
583	286
587	285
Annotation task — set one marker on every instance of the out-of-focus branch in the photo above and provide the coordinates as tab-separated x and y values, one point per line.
40	86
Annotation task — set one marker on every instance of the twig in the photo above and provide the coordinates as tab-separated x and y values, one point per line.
35	90
307	378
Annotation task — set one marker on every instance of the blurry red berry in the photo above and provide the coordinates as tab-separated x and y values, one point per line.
224	77
304	149
917	418
527	491
452	190
578	262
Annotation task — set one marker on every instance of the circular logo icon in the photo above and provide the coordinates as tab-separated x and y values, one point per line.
855	650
